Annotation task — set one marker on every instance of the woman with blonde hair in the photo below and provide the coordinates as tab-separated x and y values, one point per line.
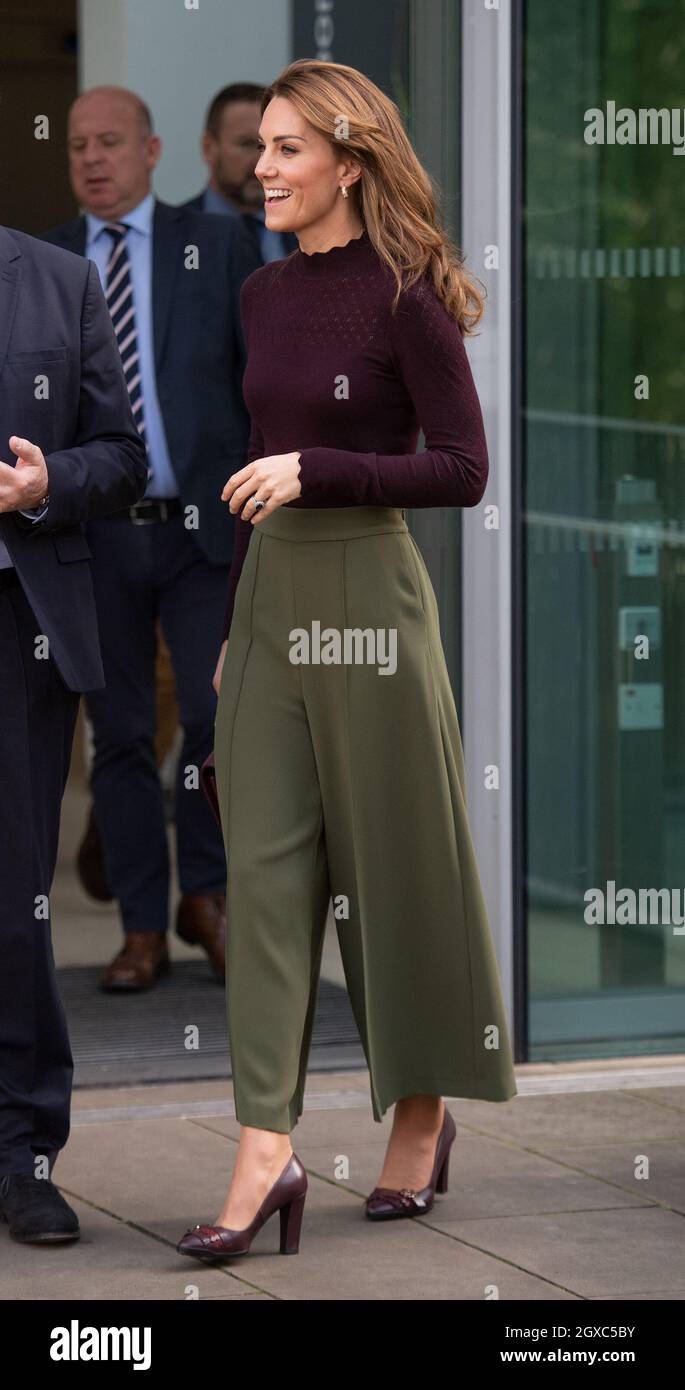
339	762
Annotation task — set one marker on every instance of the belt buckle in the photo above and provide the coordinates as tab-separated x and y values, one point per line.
147	520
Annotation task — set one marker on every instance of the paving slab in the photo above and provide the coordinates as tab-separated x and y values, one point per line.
612	1254
112	1260
656	1296
542	1202
486	1176
670	1096
576	1120
161	1176
616	1163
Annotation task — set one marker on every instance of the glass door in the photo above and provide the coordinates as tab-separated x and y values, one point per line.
433	122
603	510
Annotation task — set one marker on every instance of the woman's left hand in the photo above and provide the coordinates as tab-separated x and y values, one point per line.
274	480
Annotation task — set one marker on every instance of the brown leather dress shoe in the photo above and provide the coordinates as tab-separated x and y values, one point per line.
216	1243
90	863
389	1203
201	921
143	958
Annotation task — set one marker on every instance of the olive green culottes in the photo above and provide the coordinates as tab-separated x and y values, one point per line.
340	774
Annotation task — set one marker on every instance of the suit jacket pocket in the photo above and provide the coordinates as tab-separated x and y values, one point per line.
38	386
72	545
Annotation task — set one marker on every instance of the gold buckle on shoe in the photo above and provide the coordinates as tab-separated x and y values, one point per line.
413	1196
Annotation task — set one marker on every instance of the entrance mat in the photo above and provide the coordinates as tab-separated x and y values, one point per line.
177	1031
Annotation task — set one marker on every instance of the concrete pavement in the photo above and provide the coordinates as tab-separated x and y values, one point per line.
543	1202
574	1190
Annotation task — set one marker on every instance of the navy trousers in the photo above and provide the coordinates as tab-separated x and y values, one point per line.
36	735
142	572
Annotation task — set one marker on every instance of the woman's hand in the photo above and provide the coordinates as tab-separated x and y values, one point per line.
273	480
216	678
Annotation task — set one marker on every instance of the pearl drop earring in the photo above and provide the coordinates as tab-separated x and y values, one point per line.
343	190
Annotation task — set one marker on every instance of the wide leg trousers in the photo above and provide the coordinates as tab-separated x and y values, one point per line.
340	774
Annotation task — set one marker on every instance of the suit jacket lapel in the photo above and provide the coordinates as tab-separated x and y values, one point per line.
10	274
167	262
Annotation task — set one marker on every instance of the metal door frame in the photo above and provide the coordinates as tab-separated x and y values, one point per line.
493	658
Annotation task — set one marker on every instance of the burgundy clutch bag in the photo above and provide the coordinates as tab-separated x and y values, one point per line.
208	780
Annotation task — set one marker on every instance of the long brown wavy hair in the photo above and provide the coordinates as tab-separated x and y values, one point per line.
395	196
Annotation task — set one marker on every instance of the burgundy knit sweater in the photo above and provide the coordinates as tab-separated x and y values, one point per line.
333	374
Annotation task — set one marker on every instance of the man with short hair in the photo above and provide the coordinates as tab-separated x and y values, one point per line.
65	414
172	279
230	149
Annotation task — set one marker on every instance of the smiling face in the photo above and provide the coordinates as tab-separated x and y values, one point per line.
301	177
111	156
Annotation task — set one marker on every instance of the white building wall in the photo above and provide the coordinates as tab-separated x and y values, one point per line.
176	54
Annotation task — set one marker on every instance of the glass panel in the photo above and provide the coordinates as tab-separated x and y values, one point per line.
433	125
604	527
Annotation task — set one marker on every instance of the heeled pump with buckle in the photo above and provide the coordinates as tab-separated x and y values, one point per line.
389	1203
215	1243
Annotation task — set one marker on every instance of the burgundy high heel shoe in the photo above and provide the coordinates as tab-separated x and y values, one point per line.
215	1243
388	1203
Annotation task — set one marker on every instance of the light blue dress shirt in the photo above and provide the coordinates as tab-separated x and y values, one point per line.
139	244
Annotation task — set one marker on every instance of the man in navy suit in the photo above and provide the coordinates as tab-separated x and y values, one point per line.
65	413
172	280
230	148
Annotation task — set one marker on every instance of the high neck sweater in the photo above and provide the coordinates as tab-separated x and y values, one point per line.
334	374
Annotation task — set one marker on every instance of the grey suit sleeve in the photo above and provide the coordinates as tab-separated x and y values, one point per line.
105	468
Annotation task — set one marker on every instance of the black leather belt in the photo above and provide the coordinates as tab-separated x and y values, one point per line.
152	509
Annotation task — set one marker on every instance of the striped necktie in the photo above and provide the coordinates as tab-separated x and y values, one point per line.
119	296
